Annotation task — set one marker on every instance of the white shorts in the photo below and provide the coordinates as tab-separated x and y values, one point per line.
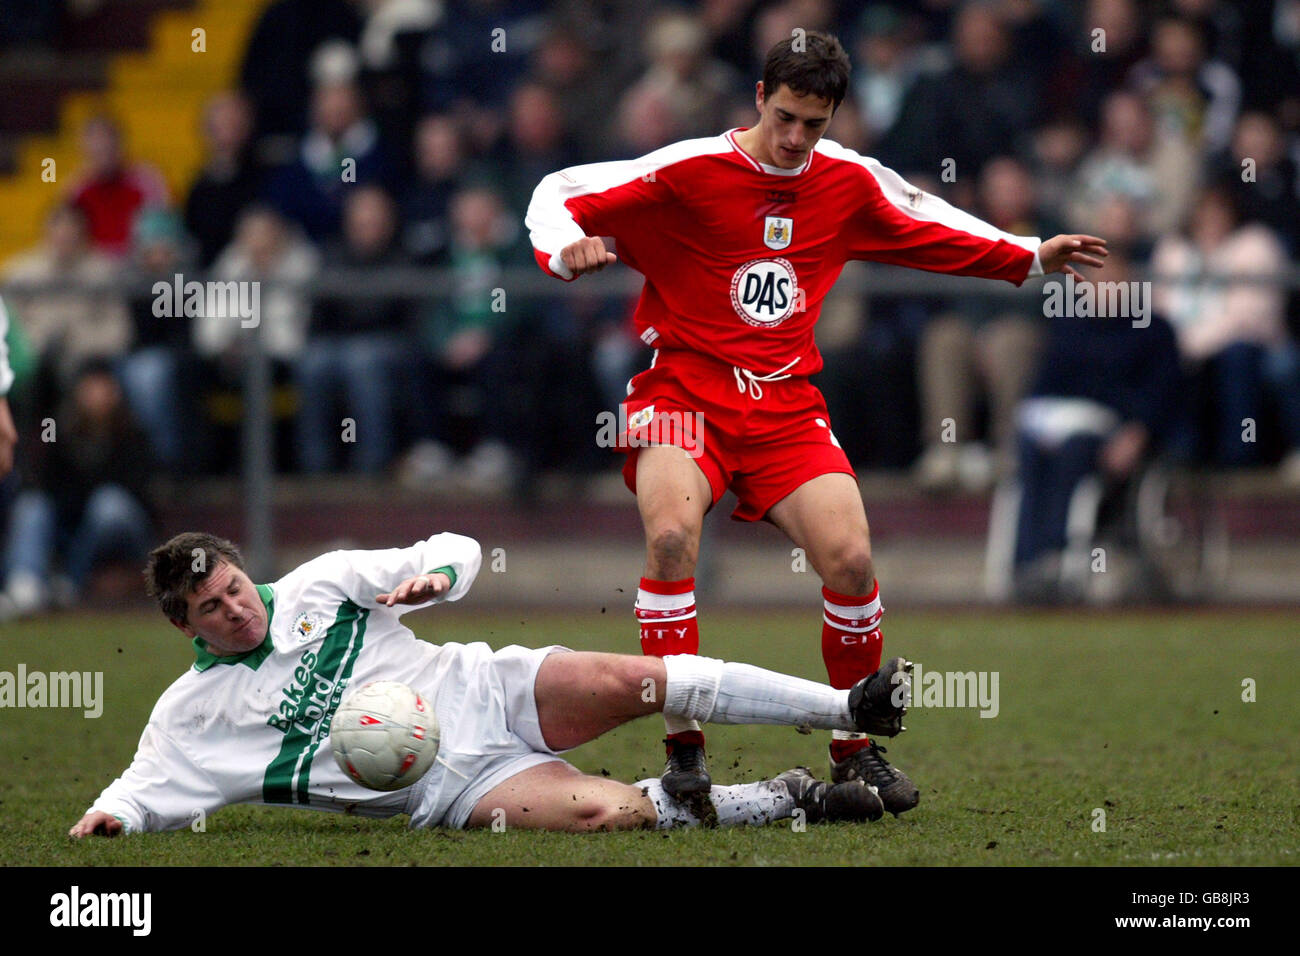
487	718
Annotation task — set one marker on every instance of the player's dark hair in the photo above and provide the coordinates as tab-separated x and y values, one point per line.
808	63
176	568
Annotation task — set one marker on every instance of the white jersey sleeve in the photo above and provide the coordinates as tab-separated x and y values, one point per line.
362	575
163	789
6	373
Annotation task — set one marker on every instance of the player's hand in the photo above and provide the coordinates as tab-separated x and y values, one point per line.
96	823
1057	253
588	254
417	590
8	438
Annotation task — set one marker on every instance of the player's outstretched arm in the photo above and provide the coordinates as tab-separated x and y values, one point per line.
1058	253
441	568
96	823
416	590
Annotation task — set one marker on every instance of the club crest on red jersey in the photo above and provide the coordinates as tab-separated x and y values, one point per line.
765	292
777	231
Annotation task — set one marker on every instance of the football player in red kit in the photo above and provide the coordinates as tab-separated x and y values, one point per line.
739	237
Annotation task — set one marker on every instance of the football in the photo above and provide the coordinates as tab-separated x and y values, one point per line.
384	735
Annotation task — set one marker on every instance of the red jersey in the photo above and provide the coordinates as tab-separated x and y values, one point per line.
738	255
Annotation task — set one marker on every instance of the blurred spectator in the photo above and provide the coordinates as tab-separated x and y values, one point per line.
1264	179
983	106
776	21
682	85
386	21
110	190
356	347
1192	96
1272	37
342	149
1234	333
153	374
536	144
585	87
1220	24
730	28
478	51
887	64
85	500
1058	149
984	348
1107	396
439	162
268	253
70	321
1158	173
467	369
230	180
276	73
389	74
1109	40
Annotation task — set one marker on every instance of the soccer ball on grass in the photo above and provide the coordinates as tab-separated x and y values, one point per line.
384	735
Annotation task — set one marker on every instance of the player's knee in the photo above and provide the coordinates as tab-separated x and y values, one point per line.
624	808
672	550
851	570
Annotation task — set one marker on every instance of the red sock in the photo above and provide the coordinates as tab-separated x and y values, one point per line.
851	646
666	612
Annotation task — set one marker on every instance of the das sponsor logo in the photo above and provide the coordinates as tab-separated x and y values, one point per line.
764	292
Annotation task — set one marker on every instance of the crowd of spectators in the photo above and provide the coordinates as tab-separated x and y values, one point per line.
400	134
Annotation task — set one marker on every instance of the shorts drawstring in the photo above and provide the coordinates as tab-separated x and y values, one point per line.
745	379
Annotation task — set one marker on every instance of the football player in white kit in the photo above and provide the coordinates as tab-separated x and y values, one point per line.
249	721
8	433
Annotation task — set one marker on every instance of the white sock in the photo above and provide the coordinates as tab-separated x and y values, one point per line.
721	692
737	805
676	725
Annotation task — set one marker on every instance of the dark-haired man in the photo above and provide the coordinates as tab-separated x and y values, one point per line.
740	237
250	721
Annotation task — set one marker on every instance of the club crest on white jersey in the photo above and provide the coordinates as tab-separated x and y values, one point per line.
764	291
777	231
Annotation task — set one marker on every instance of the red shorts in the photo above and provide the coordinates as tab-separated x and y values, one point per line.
761	448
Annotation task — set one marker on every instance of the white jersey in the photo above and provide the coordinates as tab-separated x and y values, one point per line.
254	728
6	373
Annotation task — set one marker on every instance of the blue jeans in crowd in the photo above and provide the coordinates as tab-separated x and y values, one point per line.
1048	477
354	377
113	523
151	382
1242	374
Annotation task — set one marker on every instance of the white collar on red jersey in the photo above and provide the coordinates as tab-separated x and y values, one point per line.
763	167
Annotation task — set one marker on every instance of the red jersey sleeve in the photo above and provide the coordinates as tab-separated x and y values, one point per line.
615	199
902	225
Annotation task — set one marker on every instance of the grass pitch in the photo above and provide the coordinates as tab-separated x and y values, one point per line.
1134	721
